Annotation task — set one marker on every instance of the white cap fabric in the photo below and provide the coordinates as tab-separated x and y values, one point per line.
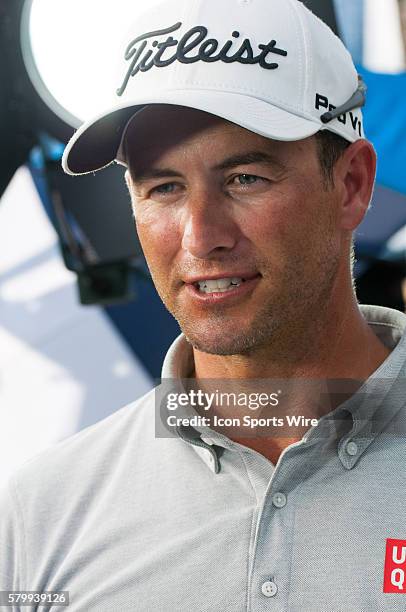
270	66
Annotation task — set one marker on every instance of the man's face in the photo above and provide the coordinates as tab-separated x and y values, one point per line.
212	199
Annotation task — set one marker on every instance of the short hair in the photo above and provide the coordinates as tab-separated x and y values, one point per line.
330	147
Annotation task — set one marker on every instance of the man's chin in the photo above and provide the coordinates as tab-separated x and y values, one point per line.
223	335
220	345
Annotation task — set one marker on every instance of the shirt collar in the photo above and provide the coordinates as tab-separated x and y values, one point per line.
178	363
371	408
383	394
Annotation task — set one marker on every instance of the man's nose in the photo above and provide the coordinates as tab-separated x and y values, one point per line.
208	224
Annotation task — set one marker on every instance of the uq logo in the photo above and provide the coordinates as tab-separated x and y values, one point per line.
395	567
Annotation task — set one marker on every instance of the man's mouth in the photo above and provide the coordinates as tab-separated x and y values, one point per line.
220	285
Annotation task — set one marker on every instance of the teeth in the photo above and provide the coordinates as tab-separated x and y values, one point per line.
219	285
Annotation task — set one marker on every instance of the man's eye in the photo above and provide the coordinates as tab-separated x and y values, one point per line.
166	188
247	179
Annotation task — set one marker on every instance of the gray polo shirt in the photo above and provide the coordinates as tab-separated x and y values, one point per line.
127	521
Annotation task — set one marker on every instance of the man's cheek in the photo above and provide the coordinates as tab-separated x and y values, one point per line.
158	250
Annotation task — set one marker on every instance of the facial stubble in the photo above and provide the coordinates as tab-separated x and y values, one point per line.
285	320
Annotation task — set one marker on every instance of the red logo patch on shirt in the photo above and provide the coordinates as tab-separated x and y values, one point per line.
394	580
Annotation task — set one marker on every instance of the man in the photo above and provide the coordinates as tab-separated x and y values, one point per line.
239	122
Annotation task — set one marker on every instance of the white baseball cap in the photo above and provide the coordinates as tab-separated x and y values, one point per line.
270	66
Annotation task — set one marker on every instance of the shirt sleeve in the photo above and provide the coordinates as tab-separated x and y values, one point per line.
11	534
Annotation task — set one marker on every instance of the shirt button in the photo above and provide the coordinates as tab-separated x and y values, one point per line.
279	500
269	589
351	448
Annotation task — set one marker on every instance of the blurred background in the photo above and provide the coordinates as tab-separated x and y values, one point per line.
82	331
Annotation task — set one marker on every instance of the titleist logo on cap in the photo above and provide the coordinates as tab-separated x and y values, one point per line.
194	46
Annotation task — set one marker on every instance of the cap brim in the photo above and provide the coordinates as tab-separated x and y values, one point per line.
95	145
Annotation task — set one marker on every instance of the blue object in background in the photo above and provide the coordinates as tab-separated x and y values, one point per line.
385	125
350	19
385	111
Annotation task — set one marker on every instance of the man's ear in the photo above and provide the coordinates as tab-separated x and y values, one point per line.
355	177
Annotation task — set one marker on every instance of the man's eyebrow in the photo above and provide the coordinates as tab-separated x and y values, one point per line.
240	159
153	173
251	157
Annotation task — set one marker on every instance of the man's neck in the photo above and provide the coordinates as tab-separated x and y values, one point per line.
343	349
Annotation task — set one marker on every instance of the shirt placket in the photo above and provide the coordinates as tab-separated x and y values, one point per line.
271	562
